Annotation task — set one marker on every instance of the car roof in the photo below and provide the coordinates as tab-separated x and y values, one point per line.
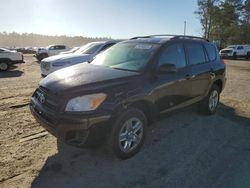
162	39
55	45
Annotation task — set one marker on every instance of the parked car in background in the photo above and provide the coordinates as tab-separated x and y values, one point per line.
234	51
8	58
126	87
50	50
71	51
85	54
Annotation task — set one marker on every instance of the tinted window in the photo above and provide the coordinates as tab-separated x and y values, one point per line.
240	48
60	47
211	51
196	53
173	54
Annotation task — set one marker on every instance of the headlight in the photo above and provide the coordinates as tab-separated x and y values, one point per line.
45	65
60	64
85	103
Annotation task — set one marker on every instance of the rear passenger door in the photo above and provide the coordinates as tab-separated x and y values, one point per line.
201	69
172	89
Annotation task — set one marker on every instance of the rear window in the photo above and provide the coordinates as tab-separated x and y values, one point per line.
211	51
196	53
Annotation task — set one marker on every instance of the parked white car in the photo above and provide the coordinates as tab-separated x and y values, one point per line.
234	51
8	58
85	54
50	50
73	50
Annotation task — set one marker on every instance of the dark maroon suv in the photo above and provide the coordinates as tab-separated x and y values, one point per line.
124	88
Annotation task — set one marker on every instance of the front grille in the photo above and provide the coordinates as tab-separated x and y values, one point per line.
47	98
45	65
47	118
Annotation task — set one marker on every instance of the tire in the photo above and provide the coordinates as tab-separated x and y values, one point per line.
248	55
208	106
128	134
42	56
4	66
234	55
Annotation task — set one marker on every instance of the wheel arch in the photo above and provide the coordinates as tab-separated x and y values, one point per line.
147	108
6	60
219	84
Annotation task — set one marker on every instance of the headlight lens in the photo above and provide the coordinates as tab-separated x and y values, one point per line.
45	65
85	103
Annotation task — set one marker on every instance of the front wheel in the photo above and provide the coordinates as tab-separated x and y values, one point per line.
234	55
209	104
128	134
4	66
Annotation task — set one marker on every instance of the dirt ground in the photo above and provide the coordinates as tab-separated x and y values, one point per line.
182	149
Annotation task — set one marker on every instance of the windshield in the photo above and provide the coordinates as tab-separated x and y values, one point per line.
89	48
126	56
233	47
74	49
5	49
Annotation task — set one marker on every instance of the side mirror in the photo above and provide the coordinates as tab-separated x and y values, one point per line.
166	68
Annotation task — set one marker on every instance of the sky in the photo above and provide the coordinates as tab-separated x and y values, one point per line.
99	18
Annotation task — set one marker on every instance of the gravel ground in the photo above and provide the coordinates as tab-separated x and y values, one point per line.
182	149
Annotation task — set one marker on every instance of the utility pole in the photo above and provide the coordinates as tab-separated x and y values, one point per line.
185	24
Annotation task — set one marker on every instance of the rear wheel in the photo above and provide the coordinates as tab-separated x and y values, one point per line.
128	133
209	104
4	66
248	55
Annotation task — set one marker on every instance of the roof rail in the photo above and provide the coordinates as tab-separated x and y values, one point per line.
173	37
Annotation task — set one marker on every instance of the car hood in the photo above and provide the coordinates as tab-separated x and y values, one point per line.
87	75
73	58
227	49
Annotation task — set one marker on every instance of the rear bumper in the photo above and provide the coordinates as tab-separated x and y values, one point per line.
76	130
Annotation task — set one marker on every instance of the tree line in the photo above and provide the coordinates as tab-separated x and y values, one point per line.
225	21
35	40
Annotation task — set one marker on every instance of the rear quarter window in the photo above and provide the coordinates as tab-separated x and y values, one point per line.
211	51
195	53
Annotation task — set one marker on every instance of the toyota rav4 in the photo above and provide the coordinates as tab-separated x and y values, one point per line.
124	89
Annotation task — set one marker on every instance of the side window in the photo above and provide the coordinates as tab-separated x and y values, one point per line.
106	47
173	54
61	47
52	48
211	51
240	48
195	53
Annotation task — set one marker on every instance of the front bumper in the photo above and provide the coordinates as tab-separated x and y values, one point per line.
77	130
226	54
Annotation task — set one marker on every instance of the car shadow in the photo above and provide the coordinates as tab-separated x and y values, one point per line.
182	149
237	59
11	72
